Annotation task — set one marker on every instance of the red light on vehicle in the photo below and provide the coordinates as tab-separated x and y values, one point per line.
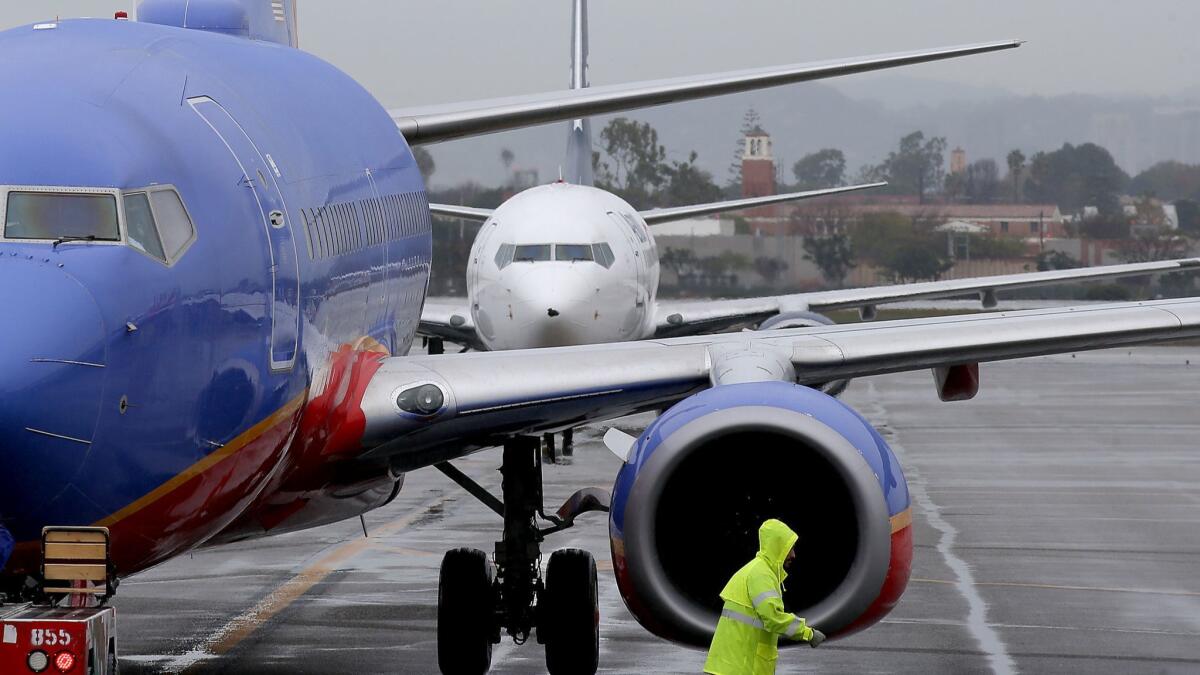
64	661
121	15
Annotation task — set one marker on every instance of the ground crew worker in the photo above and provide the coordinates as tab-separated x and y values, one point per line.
753	617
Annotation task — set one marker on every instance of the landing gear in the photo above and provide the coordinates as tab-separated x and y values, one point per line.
465	628
569	444
474	606
551	456
435	345
570	613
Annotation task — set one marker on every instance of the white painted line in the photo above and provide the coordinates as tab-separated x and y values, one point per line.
977	624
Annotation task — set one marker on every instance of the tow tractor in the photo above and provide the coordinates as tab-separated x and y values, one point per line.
69	628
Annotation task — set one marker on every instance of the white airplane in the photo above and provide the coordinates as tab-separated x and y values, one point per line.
568	264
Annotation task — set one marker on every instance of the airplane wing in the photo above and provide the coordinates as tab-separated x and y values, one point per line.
464	212
480	398
692	317
449	319
655	216
432	124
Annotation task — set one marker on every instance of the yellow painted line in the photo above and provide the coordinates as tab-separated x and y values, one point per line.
1056	587
208	461
245	624
901	520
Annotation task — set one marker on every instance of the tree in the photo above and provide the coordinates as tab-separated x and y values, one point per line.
915	260
1152	237
507	157
906	249
1055	260
1188	212
681	261
687	183
915	166
832	254
1016	164
982	182
639	160
1170	181
823	168
770	269
1077	176
1150	244
425	162
750	122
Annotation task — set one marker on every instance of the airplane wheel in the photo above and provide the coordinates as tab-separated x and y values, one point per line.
571	614
465	613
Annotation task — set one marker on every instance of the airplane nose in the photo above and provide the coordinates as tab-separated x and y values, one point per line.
52	366
557	307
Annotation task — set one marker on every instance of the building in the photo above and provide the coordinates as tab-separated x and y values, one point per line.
758	173
1041	221
958	161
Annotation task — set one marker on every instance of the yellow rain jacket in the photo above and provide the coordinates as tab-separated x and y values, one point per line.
753	617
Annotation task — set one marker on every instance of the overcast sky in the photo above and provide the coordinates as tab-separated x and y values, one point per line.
414	52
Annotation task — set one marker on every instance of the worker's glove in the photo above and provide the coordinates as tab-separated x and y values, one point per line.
817	638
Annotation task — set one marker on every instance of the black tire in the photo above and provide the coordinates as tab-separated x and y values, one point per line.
465	613
570	620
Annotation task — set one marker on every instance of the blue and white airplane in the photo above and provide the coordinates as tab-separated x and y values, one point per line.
214	250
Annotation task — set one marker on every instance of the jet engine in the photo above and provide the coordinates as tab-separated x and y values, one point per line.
700	480
806	320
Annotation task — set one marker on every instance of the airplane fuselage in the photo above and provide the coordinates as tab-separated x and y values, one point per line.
563	264
194	388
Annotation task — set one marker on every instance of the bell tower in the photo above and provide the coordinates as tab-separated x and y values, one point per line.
758	166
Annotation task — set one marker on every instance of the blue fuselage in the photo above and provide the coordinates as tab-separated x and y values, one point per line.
168	399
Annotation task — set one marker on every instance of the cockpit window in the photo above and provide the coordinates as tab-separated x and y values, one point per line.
51	215
173	223
531	253
504	255
603	254
572	252
139	223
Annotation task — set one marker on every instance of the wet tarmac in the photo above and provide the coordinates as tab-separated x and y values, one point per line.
1057	530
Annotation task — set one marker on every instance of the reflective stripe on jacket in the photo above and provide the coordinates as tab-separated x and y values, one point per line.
753	618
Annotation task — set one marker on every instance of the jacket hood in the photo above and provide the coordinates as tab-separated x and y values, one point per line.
774	541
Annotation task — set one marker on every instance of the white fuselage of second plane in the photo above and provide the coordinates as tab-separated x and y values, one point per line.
562	264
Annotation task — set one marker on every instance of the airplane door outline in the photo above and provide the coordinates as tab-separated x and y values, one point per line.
259	175
635	245
480	249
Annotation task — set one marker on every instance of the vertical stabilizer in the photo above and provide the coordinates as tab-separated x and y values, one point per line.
266	20
578	165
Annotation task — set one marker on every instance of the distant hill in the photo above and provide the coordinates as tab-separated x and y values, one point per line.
865	118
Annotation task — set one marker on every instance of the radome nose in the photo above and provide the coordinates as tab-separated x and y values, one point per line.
52	365
556	307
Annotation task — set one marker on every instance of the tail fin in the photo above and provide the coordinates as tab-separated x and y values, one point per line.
578	164
267	20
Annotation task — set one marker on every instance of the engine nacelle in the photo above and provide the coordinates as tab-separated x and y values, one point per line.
701	479
806	320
